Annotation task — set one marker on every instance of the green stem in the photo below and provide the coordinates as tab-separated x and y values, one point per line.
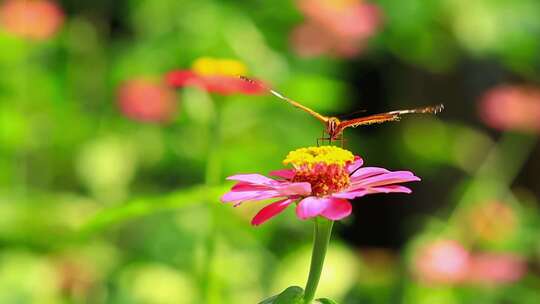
322	233
212	178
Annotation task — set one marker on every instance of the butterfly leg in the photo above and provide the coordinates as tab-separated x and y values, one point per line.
343	142
322	139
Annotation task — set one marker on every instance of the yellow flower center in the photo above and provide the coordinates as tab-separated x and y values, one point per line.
325	168
218	67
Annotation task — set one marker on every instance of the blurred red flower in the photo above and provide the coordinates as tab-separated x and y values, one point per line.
340	28
442	261
146	100
36	19
220	76
512	107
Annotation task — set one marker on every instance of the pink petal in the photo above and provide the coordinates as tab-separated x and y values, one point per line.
270	211
284	173
242	186
358	162
351	194
390	189
388	178
253	179
361	191
240	196
337	209
289	189
311	206
377	189
367	172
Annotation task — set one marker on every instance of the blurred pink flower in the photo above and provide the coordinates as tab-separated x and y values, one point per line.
147	101
340	28
220	76
33	19
448	262
495	268
322	182
512	107
442	261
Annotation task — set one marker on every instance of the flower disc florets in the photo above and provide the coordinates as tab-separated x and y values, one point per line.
325	168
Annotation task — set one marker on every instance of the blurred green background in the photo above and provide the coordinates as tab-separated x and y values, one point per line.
110	179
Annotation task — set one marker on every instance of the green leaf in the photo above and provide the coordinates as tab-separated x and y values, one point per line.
291	295
269	300
145	206
325	301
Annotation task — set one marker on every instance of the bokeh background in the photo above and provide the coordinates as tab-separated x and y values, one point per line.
119	121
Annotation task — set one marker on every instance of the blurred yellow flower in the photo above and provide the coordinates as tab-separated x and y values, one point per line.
215	66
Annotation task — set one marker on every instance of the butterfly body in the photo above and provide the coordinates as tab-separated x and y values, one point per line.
333	128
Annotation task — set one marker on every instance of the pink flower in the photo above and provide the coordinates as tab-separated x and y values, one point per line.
220	76
512	107
37	20
321	183
496	268
146	101
448	262
339	28
443	261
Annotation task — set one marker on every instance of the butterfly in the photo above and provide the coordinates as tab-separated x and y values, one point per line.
334	127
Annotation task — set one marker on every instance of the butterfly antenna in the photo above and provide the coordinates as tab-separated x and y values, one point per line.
271	91
284	98
346	116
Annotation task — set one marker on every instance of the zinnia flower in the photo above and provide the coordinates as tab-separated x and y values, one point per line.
496	268
447	261
146	100
321	182
340	28
442	261
36	20
512	107
220	76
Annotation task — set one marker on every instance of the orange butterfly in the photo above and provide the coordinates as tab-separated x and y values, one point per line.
334	127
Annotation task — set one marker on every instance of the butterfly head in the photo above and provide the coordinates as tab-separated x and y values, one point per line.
332	127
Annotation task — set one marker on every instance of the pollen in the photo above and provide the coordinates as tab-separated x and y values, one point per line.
325	168
316	155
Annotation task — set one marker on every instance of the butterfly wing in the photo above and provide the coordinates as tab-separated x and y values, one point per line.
424	110
368	120
385	117
298	105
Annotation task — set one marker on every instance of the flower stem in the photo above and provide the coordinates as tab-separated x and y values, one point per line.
322	233
211	178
